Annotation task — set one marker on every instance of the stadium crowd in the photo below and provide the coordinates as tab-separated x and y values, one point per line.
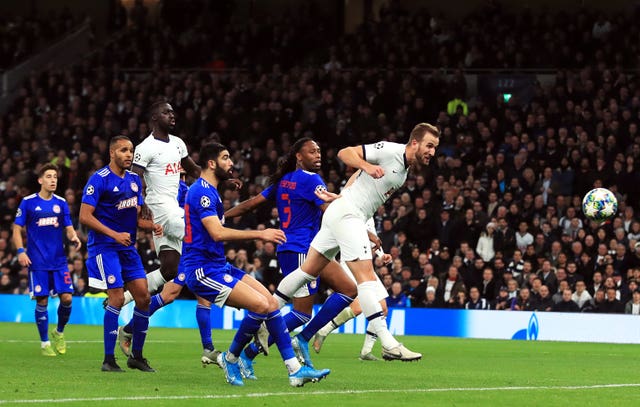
495	222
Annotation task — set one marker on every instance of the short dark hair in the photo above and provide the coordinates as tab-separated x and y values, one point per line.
210	151
115	139
47	167
153	109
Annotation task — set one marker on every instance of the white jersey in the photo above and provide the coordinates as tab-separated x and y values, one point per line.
366	193
161	163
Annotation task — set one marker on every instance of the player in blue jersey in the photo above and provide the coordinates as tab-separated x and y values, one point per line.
210	276
159	160
110	206
293	188
46	218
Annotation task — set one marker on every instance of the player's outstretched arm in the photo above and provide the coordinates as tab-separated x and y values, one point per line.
23	258
354	157
245	206
88	219
221	234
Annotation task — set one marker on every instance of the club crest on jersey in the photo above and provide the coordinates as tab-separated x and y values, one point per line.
48	221
111	279
181	277
90	189
128	203
134	186
205	201
227	278
56	209
18	213
37	288
313	284
172	168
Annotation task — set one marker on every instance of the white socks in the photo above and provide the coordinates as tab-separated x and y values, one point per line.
340	319
371	306
290	284
369	340
154	281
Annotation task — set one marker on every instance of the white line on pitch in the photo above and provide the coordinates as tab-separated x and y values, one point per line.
317	393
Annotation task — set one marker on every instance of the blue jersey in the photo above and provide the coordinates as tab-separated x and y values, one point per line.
182	192
45	221
199	248
116	201
298	208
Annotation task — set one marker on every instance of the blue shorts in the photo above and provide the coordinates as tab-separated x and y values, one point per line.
214	284
289	261
114	268
181	276
41	283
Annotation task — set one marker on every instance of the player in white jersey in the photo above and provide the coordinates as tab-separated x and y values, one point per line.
158	160
355	309
385	167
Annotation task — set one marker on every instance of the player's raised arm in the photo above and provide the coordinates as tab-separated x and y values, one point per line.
245	206
193	170
220	233
355	157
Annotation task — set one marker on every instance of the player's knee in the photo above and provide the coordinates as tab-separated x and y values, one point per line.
142	300
116	300
65	300
263	305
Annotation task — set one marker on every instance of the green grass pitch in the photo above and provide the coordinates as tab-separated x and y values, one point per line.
453	372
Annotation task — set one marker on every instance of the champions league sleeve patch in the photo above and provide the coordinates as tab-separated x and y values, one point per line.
320	188
90	190
18	213
379	145
205	201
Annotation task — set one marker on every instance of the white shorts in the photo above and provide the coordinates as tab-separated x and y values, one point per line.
172	222
381	292
343	230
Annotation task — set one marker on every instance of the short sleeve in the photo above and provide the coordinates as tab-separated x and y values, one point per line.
374	153
92	191
316	184
21	214
182	147
140	196
269	193
142	155
206	204
66	214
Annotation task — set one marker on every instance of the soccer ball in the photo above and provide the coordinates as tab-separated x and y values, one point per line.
599	204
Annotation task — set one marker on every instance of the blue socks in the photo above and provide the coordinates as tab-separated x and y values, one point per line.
203	316
156	304
280	334
292	320
42	322
248	327
110	329
331	308
64	312
140	323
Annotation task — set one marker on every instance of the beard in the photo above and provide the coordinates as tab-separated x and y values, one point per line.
221	174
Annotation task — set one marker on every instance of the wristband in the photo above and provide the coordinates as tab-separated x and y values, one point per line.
21	250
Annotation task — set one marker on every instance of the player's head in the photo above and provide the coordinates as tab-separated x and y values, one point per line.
121	152
162	116
304	154
423	141
48	177
215	158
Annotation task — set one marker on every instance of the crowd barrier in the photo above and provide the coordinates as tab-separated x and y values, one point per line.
519	325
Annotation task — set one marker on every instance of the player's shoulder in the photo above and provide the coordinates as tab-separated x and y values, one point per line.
59	198
102	172
132	174
28	197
